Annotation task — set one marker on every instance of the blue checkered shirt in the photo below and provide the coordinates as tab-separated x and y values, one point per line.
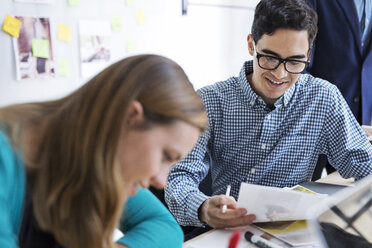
248	142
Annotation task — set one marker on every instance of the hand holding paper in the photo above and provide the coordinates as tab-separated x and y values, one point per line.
212	215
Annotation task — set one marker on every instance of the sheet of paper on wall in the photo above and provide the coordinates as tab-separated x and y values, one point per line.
37	1
33	49
95	51
12	26
276	204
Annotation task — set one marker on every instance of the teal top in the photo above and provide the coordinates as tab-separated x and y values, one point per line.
145	222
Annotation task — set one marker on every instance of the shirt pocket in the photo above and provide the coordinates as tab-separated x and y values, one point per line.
295	146
295	156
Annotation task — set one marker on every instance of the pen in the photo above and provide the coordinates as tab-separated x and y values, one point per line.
224	207
260	242
234	240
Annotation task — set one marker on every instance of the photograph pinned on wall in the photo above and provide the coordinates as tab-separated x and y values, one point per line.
33	49
95	52
37	1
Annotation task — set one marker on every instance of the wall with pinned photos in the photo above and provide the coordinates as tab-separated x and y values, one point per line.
63	43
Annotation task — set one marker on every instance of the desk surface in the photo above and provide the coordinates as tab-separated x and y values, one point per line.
222	236
335	178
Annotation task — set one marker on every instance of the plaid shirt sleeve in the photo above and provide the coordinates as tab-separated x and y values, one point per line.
346	144
182	192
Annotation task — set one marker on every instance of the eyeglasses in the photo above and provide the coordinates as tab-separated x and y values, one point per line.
268	62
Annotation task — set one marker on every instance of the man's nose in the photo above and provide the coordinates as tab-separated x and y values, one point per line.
280	72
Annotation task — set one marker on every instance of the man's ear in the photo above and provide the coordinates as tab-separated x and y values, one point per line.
250	44
135	113
309	55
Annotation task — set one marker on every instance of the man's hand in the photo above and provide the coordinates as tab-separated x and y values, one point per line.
211	213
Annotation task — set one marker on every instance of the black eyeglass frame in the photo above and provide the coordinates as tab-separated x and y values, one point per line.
284	61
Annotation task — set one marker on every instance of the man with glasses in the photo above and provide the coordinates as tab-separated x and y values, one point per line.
268	62
268	125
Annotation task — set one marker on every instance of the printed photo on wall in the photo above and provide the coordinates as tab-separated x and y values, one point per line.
33	49
95	52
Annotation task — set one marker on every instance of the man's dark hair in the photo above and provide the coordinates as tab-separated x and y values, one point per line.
271	15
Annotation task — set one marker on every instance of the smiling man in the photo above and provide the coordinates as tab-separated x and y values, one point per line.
269	124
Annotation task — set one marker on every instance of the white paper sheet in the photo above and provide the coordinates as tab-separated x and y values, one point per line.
117	235
276	204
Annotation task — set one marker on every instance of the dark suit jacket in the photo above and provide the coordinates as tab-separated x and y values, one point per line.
337	55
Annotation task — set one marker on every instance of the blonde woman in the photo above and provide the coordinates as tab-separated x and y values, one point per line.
68	166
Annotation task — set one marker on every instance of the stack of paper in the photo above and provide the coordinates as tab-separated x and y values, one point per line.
276	204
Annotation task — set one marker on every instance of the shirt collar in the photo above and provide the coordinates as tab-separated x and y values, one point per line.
244	84
253	98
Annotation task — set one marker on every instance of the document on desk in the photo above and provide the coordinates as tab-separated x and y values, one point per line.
276	204
296	233
219	238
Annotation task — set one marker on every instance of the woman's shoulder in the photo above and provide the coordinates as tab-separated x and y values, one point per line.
12	191
7	157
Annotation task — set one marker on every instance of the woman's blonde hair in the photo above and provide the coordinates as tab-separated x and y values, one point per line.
78	190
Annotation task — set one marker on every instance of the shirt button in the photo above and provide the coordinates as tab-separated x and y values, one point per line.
268	117
252	102
356	99
362	44
253	170
263	146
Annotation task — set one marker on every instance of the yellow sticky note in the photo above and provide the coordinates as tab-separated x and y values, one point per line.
40	48
130	3
141	16
116	23
12	26
64	32
74	2
63	67
131	46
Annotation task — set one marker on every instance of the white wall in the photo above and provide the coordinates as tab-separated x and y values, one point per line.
209	42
